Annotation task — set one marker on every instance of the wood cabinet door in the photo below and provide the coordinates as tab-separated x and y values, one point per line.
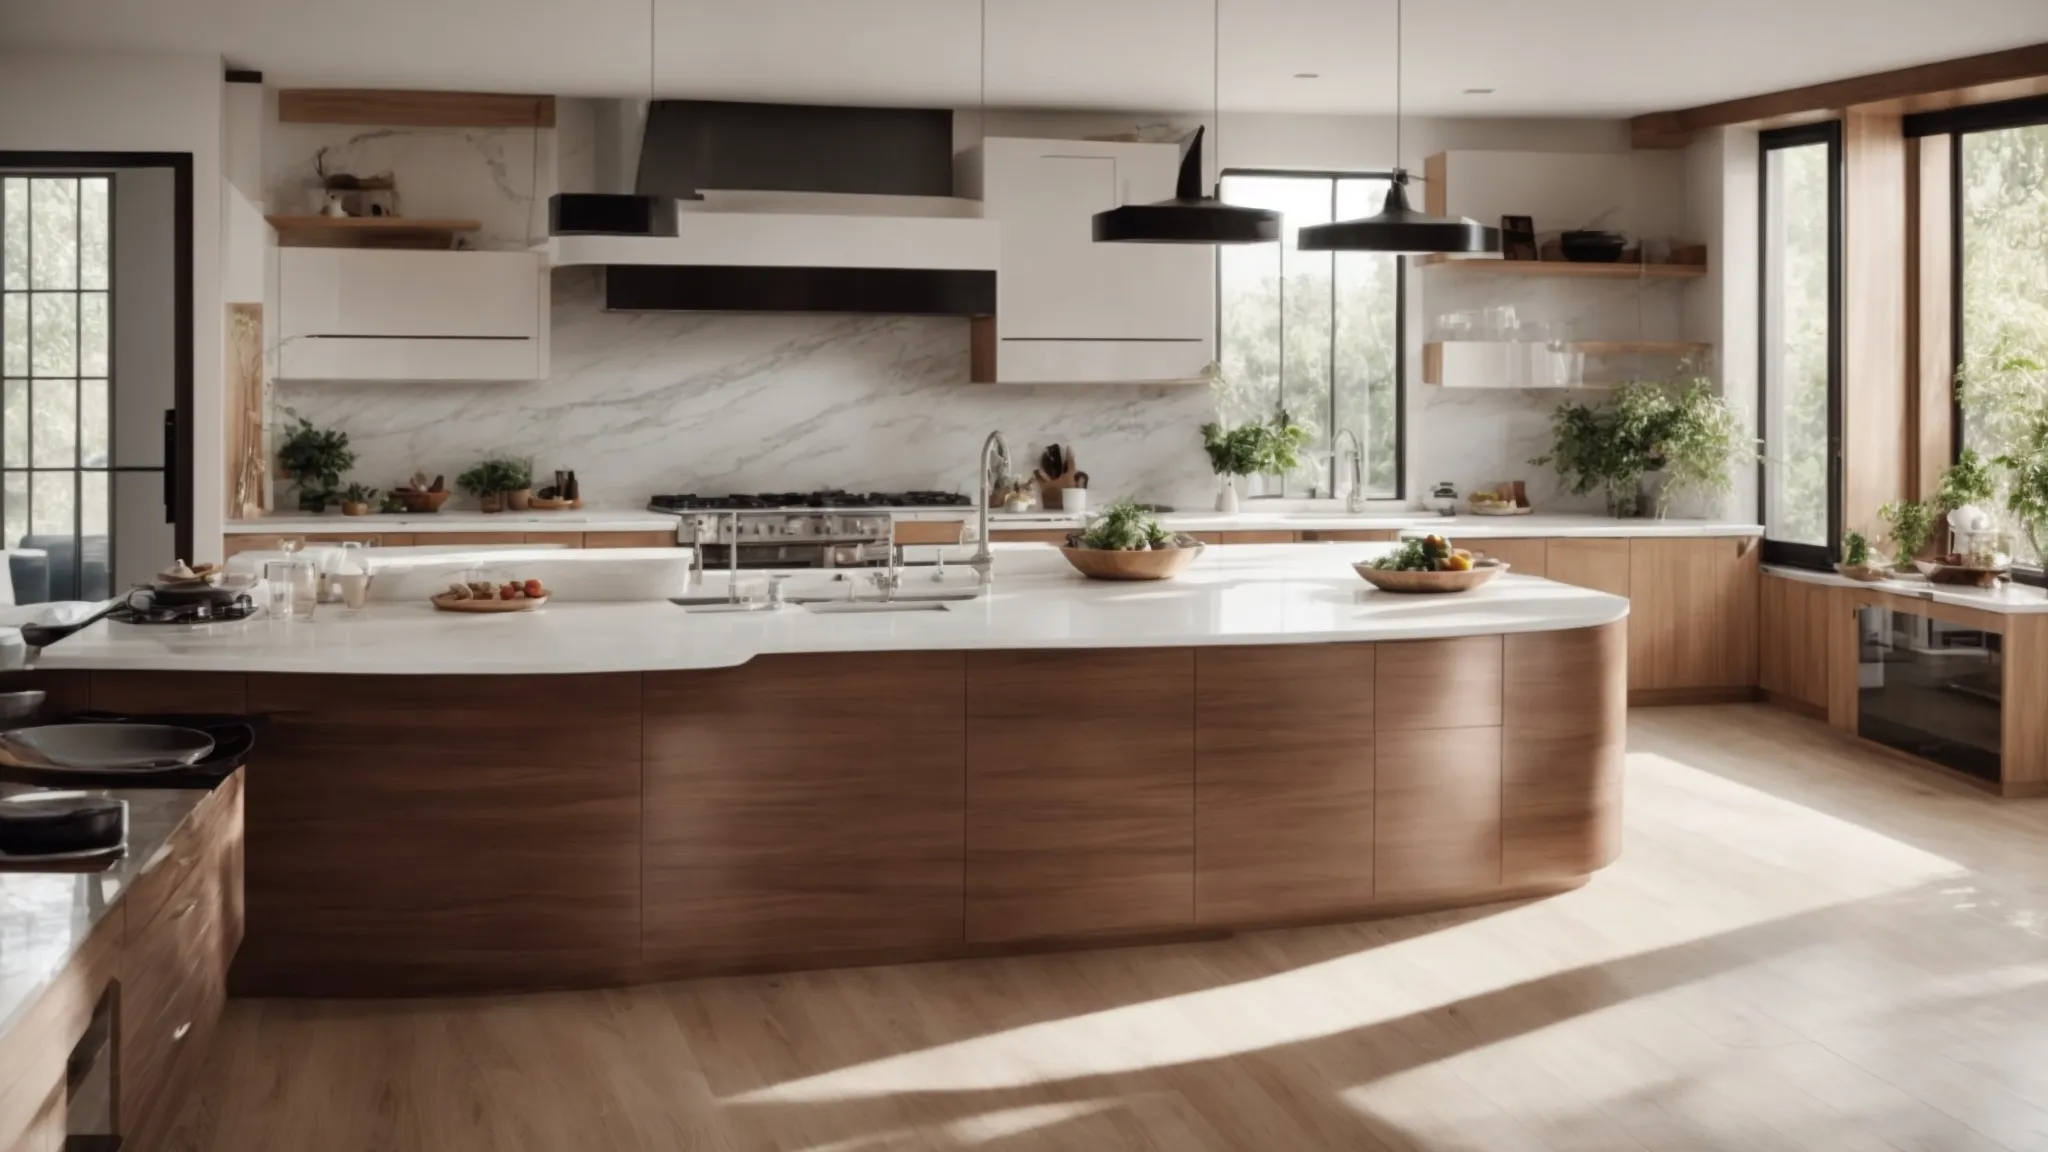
803	809
468	539
1245	537
1283	782
1527	557
1792	640
1692	613
1080	792
1600	563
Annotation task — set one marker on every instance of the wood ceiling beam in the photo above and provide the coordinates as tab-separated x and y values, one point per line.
409	109
1971	79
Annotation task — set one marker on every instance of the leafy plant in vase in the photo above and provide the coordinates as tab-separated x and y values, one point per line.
315	459
1909	525
356	498
2026	493
499	482
1232	454
1648	445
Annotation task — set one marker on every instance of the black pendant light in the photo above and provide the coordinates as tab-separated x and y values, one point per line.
1190	217
1397	227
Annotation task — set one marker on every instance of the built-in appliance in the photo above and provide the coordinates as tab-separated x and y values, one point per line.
832	528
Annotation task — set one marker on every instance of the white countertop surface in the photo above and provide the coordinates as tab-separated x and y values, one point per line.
580	520
2011	599
1250	594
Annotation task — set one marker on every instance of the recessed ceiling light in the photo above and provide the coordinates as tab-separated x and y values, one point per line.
1478	91
1308	75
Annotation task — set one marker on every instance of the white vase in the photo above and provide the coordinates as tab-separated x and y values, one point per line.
1226	496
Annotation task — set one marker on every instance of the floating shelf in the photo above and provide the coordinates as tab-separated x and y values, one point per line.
1567	269
1527	364
369	231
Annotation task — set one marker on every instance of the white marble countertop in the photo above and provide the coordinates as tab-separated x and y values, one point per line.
2010	599
1250	594
580	520
46	916
1410	523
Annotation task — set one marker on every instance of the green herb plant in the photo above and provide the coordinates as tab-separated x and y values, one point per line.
1700	440
1235	452
1682	429
357	493
495	474
1855	550
2026	467
1909	524
1967	481
1125	526
315	459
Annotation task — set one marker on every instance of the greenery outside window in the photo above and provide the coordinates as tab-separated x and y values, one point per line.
1800	370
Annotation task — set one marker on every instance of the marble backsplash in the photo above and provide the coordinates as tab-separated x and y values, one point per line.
639	403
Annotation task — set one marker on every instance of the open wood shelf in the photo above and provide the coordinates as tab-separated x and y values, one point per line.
370	231
1567	269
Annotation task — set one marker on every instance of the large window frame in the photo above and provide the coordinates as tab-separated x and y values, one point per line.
1829	133
1331	476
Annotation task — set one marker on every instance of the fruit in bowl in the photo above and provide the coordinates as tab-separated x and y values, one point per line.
1430	564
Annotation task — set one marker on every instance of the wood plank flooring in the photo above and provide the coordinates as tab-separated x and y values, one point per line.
1802	946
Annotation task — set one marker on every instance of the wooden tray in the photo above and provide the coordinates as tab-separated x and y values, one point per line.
1155	564
447	603
1388	580
1500	510
539	505
1869	574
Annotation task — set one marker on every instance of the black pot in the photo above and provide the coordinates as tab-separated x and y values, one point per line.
40	824
1588	246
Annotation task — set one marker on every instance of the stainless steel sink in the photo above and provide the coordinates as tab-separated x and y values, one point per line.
900	598
854	607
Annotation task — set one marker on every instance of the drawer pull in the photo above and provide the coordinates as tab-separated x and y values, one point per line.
181	913
179	1033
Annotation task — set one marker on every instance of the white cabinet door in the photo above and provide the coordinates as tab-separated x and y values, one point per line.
372	314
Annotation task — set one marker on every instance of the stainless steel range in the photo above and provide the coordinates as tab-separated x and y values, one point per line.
828	529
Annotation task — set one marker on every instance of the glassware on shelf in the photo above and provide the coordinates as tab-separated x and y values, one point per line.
1499	322
1453	327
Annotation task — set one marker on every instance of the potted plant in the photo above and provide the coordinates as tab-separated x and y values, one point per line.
499	482
355	499
1699	440
1648	445
1281	444
315	459
1909	525
1232	454
2026	491
391	505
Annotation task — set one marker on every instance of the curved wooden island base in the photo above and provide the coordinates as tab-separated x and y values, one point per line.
415	835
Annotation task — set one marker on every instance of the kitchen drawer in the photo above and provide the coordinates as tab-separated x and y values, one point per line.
173	978
161	1060
657	538
153	891
929	531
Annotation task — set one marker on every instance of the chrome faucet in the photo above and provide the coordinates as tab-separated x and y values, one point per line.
983	561
1354	502
732	562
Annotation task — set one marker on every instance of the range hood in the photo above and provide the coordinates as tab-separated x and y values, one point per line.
783	208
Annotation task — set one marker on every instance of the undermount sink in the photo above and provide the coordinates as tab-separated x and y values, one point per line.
852	607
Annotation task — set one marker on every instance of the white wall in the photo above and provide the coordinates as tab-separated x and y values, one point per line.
129	102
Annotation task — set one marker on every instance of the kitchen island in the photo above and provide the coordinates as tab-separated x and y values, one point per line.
612	793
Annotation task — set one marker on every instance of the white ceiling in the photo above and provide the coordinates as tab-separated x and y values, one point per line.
1556	57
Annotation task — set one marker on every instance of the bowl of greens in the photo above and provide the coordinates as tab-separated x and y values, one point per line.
1126	542
1429	564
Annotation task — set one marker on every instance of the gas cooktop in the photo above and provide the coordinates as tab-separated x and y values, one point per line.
831	498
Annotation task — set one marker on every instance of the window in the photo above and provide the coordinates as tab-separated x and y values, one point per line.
1315	333
55	362
1800	376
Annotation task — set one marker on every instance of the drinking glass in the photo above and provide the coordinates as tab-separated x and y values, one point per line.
277	585
305	581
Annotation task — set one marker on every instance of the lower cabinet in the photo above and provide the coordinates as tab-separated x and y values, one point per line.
1792	637
1692	613
1600	563
1527	557
1080	792
829	839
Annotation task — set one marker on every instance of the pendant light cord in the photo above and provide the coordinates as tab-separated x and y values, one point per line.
1216	87
981	109
1399	5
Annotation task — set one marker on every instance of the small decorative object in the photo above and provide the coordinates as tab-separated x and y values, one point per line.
1517	238
1055	474
1508	498
1592	246
499	481
420	496
1126	542
1430	564
332	206
1856	559
355	500
1444	498
315	459
1909	525
391	504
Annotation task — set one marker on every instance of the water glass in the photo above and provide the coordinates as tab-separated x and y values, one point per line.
277	586
355	591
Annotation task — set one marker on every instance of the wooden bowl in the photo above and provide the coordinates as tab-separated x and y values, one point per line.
418	501
1388	580
1156	564
1939	573
447	603
1864	572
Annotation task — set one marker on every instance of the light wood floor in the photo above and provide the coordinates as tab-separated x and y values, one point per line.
1804	945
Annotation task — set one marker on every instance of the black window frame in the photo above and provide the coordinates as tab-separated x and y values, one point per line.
1783	552
1956	123
1400	324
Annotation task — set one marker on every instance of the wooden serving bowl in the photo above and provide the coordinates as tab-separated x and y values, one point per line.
1865	572
1155	564
1939	573
447	603
419	501
1389	580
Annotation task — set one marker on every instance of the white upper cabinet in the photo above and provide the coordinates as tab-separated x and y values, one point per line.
1069	310
377	314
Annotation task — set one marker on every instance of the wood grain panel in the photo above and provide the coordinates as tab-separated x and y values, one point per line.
64	692
1792	640
2024	771
1244	537
664	538
469	538
1844	657
1080	792
1930	328
413	109
198	692
41	1037
1438	684
1874	409
1437	811
1676	129
772	841
268	542
1528	557
1692	613
1599	563
929	531
566	539
1029	535
1435	184
1350	535
443	834
1564	741
1283	782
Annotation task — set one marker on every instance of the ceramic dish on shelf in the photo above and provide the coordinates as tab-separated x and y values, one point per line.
1393	580
448	603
